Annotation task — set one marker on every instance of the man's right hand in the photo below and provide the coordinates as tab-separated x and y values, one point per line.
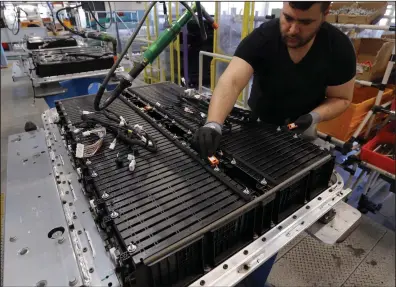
207	139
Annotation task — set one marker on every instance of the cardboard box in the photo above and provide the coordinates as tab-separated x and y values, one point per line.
372	57
380	8
333	18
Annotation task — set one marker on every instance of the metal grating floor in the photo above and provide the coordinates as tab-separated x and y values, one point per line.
168	197
365	258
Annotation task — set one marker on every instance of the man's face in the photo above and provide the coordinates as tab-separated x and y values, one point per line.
298	27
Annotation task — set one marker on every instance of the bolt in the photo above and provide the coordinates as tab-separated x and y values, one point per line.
61	240
13	239
225	266
114	214
263	239
233	161
246	267
278	129
245	252
246	191
216	168
91	270
263	182
105	195
79	232
131	248
295	136
94	174
202	283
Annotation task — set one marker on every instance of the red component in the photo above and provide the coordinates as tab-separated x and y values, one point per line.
115	58
385	136
213	160
120	14
5	46
292	126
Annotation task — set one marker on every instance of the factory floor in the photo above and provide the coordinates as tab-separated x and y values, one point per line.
365	258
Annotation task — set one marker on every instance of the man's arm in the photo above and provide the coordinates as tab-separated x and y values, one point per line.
337	101
231	83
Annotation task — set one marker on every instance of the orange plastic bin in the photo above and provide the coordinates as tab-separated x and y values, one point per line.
346	124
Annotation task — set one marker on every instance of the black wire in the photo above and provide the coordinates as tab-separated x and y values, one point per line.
191	11
204	37
63	25
17	20
96	20
105	82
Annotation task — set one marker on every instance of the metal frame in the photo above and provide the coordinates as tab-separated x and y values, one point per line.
37	81
245	96
96	256
243	263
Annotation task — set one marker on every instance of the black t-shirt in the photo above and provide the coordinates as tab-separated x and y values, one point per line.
282	90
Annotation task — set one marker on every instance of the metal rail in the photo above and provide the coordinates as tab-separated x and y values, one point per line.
240	265
51	79
200	74
362	26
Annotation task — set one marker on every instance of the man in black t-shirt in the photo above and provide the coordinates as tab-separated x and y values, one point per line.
303	72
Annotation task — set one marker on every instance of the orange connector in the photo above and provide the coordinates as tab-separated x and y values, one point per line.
292	126
213	160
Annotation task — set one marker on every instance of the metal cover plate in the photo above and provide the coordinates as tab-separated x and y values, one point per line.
33	209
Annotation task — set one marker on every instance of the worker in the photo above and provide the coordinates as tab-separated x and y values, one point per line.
303	72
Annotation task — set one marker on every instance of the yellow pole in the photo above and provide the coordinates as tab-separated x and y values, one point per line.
252	17
156	37
147	78
171	55
178	48
215	50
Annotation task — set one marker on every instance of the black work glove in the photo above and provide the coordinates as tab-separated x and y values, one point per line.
207	139
304	122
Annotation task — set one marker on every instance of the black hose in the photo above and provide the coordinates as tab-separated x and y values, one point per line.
191	11
96	20
118	90
201	23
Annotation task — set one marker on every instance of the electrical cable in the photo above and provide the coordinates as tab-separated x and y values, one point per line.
152	52
103	86
81	34
204	37
94	17
143	139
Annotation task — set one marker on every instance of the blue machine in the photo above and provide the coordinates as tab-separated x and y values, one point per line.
78	87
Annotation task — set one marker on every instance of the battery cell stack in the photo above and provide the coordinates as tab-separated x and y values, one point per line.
173	194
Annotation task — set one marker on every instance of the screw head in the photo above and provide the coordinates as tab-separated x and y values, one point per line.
114	214
131	248
105	195
61	240
13	239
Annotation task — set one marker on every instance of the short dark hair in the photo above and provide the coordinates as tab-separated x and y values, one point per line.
305	5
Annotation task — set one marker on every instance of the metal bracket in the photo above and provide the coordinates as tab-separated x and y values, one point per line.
251	257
